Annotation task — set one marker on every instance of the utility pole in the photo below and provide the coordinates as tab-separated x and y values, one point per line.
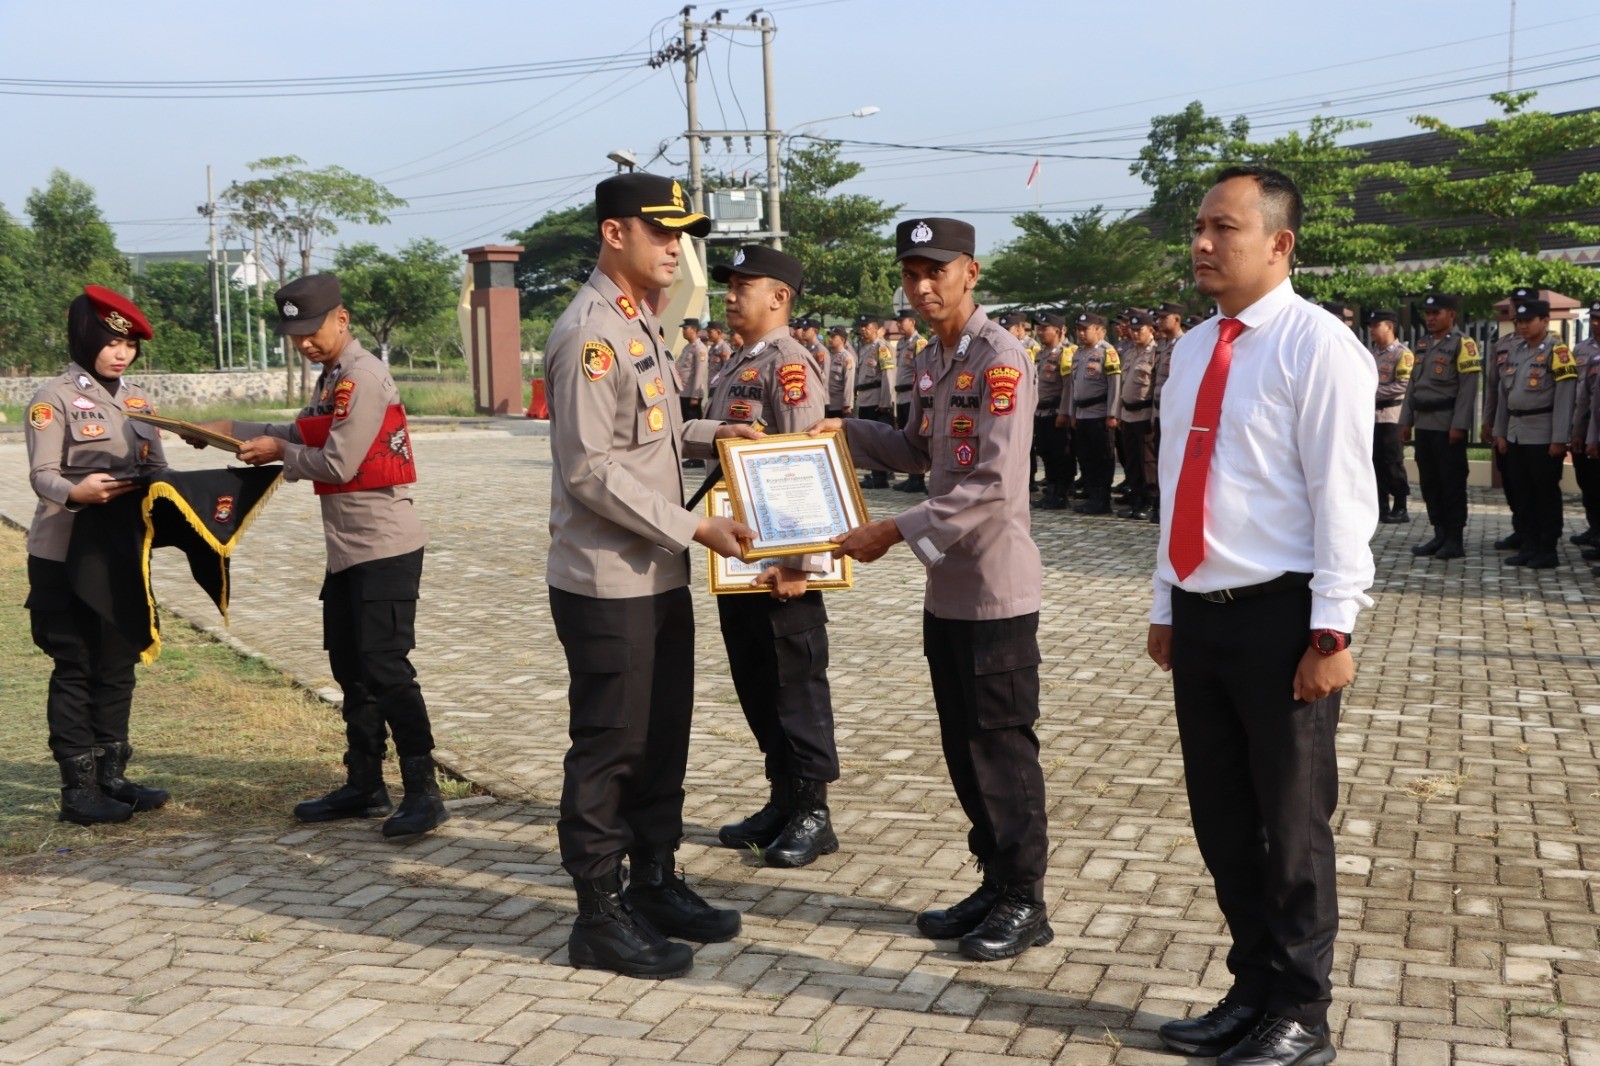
1511	49
261	306
210	211
774	180
697	183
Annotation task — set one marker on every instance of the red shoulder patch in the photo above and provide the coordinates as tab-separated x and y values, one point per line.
792	379
1002	388
341	397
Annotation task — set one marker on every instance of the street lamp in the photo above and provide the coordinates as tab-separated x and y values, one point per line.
622	157
775	178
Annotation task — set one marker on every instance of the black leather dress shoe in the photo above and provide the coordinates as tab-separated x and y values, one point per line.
1213	1032
1510	542
1281	1042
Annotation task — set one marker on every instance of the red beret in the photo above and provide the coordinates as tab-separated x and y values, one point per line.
118	313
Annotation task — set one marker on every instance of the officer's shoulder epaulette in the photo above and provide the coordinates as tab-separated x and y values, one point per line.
1563	367
1468	360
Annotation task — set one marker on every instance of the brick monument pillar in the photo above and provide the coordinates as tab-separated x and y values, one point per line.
495	354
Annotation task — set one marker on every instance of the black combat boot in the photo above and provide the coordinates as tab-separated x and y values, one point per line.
762	827
1213	1032
1431	545
421	808
1452	547
361	796
607	935
81	799
666	901
808	835
964	917
111	762
1017	923
1398	515
1509	542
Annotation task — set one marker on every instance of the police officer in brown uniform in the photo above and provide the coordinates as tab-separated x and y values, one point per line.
809	327
1085	405
841	374
83	451
1438	414
618	571
1133	415
1533	424
352	443
694	369
1585	469
778	644
906	350
1050	443
1499	357
971	426
874	384
1169	319
1395	364
717	346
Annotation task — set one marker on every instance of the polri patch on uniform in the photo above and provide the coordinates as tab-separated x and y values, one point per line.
636	347
223	512
965	453
94	429
1002	388
83	403
597	359
792	379
749	375
627	309
41	415
342	393
963	381
961	426
135	403
656	419
1562	365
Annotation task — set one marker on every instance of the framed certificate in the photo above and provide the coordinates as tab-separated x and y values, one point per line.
189	430
796	491
730	577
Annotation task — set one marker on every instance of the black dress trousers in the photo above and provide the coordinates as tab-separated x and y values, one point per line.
1535	494
778	656
1587	472
90	694
1091	440
1263	784
986	687
1442	470
369	626
1389	462
631	695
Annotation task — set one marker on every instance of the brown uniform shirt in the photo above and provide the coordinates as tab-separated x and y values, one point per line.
905	365
824	358
1499	356
1164	346
1444	384
842	379
1051	364
874	374
369	524
1089	387
1587	352
1134	399
971	426
76	428
618	528
1537	387
694	369
1395	364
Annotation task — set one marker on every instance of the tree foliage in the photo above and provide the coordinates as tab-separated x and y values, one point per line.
1087	261
559	252
385	291
841	238
294	207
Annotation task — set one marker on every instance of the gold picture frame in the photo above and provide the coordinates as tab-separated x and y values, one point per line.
732	577
797	491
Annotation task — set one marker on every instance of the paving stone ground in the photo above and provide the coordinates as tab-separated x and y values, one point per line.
1466	831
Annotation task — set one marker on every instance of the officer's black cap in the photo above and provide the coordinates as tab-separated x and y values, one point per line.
1170	308
1089	318
839	331
1522	293
659	201
1381	315
904	313
1440	301
868	320
1192	321
939	239
759	261
714	324
1049	318
1594	309
1137	318
691	323
305	302
1335	307
1524	310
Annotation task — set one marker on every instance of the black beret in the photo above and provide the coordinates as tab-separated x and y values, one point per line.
939	239
305	302
657	200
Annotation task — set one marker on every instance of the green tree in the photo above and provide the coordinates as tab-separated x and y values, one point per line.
875	294
386	291
176	297
1086	261
19	312
1488	195
838	236
1480	282
436	339
559	252
1182	152
71	246
294	206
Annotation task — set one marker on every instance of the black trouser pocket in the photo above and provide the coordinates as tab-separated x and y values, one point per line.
599	689
1005	668
800	638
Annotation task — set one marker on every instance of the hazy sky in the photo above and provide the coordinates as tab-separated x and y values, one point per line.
1086	76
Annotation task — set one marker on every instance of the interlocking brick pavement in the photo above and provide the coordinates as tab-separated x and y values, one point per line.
1469	799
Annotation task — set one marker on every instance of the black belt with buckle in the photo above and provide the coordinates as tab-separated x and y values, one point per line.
1430	406
1532	411
1137	405
1281	583
1396	402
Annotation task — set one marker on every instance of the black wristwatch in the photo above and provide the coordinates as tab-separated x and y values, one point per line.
1329	641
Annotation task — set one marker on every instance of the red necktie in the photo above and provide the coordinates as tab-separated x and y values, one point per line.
1186	546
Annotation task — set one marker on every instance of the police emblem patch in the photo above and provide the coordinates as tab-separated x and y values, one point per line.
964	381
83	403
597	359
656	419
94	429
135	403
1002	388
961	426
925	382
636	347
117	324
290	311
749	375
738	257
964	453
739	411
342	393
224	509
41	415
927	424
922	233
792	379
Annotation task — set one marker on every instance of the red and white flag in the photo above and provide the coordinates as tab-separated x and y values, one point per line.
1032	175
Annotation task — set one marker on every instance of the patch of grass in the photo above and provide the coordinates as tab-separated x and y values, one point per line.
235	742
453	398
1531	1010
253	936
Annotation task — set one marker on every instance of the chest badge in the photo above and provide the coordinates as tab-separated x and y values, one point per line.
636	347
94	429
965	453
749	375
961	426
656	419
135	403
925	382
83	403
927	424
963	381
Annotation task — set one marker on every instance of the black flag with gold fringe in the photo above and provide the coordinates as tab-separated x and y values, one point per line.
202	513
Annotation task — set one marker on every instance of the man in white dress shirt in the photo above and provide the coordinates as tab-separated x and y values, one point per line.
1268	503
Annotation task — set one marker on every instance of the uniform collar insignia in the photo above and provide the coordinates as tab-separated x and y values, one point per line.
85	382
758	348
966	342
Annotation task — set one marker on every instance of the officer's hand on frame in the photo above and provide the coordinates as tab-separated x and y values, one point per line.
722	535
1500	445
1457	436
1158	645
825	425
785	583
99	488
1322	675
220	426
742	430
258	451
867	543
